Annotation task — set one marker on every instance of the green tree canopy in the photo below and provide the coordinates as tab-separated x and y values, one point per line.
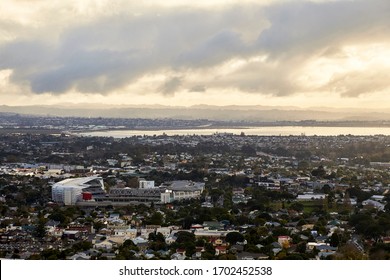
234	237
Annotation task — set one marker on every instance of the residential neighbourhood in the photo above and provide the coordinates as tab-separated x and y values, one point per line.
222	196
204	139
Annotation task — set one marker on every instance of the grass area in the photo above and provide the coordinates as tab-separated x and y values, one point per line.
308	206
276	205
312	206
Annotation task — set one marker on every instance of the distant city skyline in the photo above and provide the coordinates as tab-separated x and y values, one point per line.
303	53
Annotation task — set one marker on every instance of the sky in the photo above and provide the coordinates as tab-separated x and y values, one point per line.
305	53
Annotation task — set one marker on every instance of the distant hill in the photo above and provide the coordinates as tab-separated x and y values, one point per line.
227	113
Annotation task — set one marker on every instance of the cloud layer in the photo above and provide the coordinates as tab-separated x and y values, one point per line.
278	49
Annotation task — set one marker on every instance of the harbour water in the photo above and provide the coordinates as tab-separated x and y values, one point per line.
259	131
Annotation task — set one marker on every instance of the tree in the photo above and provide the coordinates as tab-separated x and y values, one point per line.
248	150
185	236
358	193
190	249
156	219
208	255
156	237
129	245
297	206
374	231
132	182
326	189
227	257
334	240
363	222
50	254
280	231
294	257
301	247
349	252
187	222
125	251
82	246
234	237
58	216
40	230
319	172
380	252
303	165
98	225
387	207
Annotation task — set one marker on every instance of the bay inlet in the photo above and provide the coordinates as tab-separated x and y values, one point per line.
257	131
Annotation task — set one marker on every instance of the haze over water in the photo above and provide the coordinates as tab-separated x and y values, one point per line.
259	131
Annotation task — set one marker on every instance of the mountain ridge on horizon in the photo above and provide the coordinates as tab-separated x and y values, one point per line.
211	112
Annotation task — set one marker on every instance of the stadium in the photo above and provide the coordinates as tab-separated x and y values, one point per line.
70	191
